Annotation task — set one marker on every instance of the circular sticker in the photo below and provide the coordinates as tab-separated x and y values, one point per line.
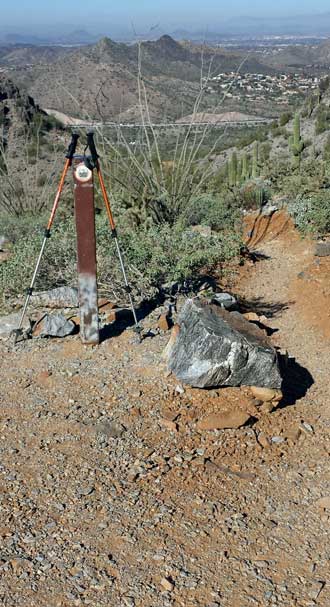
83	173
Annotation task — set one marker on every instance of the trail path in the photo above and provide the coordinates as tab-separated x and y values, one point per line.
110	495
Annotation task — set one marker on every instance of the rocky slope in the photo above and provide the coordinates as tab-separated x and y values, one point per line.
114	492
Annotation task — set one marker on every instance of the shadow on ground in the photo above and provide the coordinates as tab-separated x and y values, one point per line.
262	307
118	327
296	381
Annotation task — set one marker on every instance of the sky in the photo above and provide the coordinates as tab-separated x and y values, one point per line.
18	13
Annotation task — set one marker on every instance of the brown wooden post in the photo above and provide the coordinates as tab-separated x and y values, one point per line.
86	252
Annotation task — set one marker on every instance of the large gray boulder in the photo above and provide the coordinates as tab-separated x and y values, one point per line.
215	347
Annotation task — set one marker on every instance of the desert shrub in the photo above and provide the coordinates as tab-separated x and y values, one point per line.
153	255
255	193
312	215
285	118
207	209
322	122
326	149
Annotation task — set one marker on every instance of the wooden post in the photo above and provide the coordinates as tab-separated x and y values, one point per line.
86	252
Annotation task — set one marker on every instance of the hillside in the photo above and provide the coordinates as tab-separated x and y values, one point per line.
100	81
310	58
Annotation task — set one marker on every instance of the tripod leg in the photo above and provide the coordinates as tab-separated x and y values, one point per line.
69	156
120	256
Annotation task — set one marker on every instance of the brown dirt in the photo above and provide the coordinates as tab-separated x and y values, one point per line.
103	498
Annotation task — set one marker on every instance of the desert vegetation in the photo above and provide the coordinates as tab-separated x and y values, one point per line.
164	187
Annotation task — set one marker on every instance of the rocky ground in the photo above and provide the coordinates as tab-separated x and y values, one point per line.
113	494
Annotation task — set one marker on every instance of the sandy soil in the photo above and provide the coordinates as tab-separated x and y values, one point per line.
112	497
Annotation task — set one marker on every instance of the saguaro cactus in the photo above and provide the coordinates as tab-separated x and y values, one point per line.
255	160
245	167
232	170
296	143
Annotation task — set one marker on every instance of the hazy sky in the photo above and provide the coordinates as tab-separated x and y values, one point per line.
141	12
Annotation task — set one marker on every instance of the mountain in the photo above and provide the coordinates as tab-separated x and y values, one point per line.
100	81
310	58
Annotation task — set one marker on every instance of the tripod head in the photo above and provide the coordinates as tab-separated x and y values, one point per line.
72	146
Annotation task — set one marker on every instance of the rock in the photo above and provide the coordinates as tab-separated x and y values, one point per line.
110	429
170	425
164	323
307	428
9	323
106	306
323	503
226	301
227	419
251	317
277	440
266	394
204	231
174	334
263	440
167	584
4	256
5	243
53	325
322	249
61	297
215	347
269	210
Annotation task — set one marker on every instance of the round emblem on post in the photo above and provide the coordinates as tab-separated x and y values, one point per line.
83	173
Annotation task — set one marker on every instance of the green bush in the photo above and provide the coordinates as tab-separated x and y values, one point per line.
208	209
285	118
322	122
153	256
255	193
312	215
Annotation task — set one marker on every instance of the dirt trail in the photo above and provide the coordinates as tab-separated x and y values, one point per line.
111	496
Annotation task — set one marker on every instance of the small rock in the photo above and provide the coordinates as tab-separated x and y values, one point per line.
277	439
251	317
5	243
106	306
86	490
266	394
226	301
323	503
53	325
263	441
164	323
221	421
307	427
110	429
204	231
167	584
322	249
179	390
170	425
168	349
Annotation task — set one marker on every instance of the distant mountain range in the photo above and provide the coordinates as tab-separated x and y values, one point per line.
100	80
306	25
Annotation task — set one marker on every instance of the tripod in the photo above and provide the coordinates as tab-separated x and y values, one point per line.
91	163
